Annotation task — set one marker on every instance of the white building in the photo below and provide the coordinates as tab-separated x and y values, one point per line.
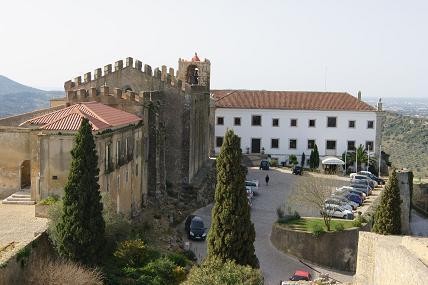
281	123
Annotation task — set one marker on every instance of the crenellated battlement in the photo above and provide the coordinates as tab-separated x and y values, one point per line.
104	93
101	76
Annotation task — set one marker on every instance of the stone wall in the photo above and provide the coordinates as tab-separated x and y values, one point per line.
405	195
391	260
14	150
336	250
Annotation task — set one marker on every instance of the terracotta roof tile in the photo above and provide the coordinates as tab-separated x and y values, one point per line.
99	115
292	100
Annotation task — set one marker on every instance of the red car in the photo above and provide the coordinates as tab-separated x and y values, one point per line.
301	275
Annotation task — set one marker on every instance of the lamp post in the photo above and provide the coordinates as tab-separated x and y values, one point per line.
356	160
368	157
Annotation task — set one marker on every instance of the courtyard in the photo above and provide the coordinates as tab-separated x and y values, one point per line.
274	264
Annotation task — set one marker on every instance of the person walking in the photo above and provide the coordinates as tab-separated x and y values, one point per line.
267	179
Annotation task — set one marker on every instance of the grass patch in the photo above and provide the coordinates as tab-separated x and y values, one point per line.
307	224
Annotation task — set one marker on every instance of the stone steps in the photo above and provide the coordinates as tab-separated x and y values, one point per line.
19	198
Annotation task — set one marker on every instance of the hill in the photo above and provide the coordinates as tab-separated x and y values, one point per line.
405	138
17	98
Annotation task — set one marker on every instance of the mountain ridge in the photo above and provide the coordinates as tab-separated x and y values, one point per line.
18	98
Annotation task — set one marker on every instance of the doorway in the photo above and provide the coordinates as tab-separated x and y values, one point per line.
25	174
255	145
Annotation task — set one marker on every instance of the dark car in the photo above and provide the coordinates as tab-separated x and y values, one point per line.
379	180
297	170
264	164
194	228
301	275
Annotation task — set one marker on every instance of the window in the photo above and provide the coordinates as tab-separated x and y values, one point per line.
275	122
220	121
351	145
117	151
256	120
370	124
108	163
293	144
218	141
351	124
369	145
237	121
293	122
331	145
311	123
331	122
274	143
311	144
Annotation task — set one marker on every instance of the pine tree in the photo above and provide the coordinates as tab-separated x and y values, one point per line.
388	213
316	157
81	227
232	233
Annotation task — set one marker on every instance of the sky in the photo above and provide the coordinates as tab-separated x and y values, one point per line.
378	47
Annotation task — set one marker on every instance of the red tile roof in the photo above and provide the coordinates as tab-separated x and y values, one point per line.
100	116
292	100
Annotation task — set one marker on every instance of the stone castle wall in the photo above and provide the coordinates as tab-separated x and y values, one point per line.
391	260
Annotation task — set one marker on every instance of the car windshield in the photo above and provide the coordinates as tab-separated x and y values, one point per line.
197	224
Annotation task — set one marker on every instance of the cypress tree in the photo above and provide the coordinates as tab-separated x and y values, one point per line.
316	157
81	227
232	233
388	213
302	162
311	160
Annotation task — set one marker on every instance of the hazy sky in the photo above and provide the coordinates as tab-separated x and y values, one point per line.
378	47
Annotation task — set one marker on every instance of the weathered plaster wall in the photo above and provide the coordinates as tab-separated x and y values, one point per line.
391	260
403	184
14	150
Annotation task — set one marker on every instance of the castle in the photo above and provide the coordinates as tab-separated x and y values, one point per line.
167	141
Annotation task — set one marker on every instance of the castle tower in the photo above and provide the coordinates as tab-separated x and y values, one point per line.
194	71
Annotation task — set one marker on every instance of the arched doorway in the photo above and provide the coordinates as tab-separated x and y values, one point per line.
25	174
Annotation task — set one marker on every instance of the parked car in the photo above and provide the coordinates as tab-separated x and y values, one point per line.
355	190
354	198
297	170
254	184
356	177
365	188
339	212
249	191
301	275
343	199
194	227
379	180
346	189
264	164
332	201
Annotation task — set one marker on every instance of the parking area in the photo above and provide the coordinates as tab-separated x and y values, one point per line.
274	264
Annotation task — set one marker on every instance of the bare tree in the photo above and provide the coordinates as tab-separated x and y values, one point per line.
312	192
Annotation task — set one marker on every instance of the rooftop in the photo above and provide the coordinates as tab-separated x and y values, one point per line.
100	117
289	100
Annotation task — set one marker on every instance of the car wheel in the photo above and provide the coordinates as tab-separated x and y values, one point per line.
344	217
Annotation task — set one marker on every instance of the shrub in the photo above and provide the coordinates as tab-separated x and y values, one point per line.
217	272
190	255
359	221
54	214
50	200
339	227
134	253
161	271
292	159
280	212
274	162
317	230
61	272
178	259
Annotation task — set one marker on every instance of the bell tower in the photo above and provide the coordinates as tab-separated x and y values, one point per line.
194	71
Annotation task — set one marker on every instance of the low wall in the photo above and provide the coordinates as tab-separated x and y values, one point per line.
17	268
337	250
391	260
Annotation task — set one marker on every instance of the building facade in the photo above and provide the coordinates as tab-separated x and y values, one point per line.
291	123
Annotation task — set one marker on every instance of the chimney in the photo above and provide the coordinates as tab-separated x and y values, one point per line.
359	95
